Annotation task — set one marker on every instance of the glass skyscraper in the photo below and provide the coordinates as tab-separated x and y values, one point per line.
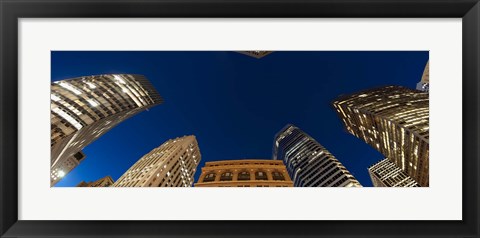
308	163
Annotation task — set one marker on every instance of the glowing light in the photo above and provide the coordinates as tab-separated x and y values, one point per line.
92	102
70	88
61	173
119	79
67	117
91	85
54	97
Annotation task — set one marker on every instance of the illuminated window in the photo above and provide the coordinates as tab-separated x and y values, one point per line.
277	176
227	176
209	177
260	175
244	175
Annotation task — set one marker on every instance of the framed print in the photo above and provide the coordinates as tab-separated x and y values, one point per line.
226	118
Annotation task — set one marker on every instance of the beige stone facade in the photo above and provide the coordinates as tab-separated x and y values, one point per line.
395	121
424	83
244	173
173	164
103	182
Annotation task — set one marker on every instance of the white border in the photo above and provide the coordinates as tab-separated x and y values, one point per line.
442	201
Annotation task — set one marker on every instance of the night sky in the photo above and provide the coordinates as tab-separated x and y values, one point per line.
234	104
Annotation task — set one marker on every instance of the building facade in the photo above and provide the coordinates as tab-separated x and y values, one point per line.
59	170
244	173
103	182
173	164
424	84
395	121
386	174
85	108
308	163
256	54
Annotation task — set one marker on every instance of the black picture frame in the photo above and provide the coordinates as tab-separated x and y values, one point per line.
12	10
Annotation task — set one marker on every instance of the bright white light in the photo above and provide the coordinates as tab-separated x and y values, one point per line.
91	85
119	79
67	117
61	173
70	87
92	102
54	97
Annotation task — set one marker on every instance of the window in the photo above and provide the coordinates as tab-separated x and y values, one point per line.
209	177
78	156
278	176
227	176
244	175
260	175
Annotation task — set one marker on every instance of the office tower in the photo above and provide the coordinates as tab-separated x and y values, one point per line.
59	170
85	108
244	173
103	182
256	54
173	164
308	163
393	120
423	85
386	174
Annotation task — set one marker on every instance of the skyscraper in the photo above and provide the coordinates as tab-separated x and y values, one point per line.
308	163
424	83
173	164
85	108
386	174
244	173
393	120
103	182
59	170
255	53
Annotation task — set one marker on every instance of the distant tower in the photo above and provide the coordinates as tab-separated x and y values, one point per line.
173	164
386	174
103	182
394	120
63	167
255	54
423	85
85	108
244	173
308	163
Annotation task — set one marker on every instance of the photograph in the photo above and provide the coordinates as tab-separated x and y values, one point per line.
253	118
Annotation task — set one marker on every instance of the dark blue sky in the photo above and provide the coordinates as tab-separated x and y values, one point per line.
234	104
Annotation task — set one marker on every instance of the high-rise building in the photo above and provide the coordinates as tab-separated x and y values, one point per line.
59	170
308	163
85	108
244	173
173	164
423	85
386	174
393	120
255	53
103	182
